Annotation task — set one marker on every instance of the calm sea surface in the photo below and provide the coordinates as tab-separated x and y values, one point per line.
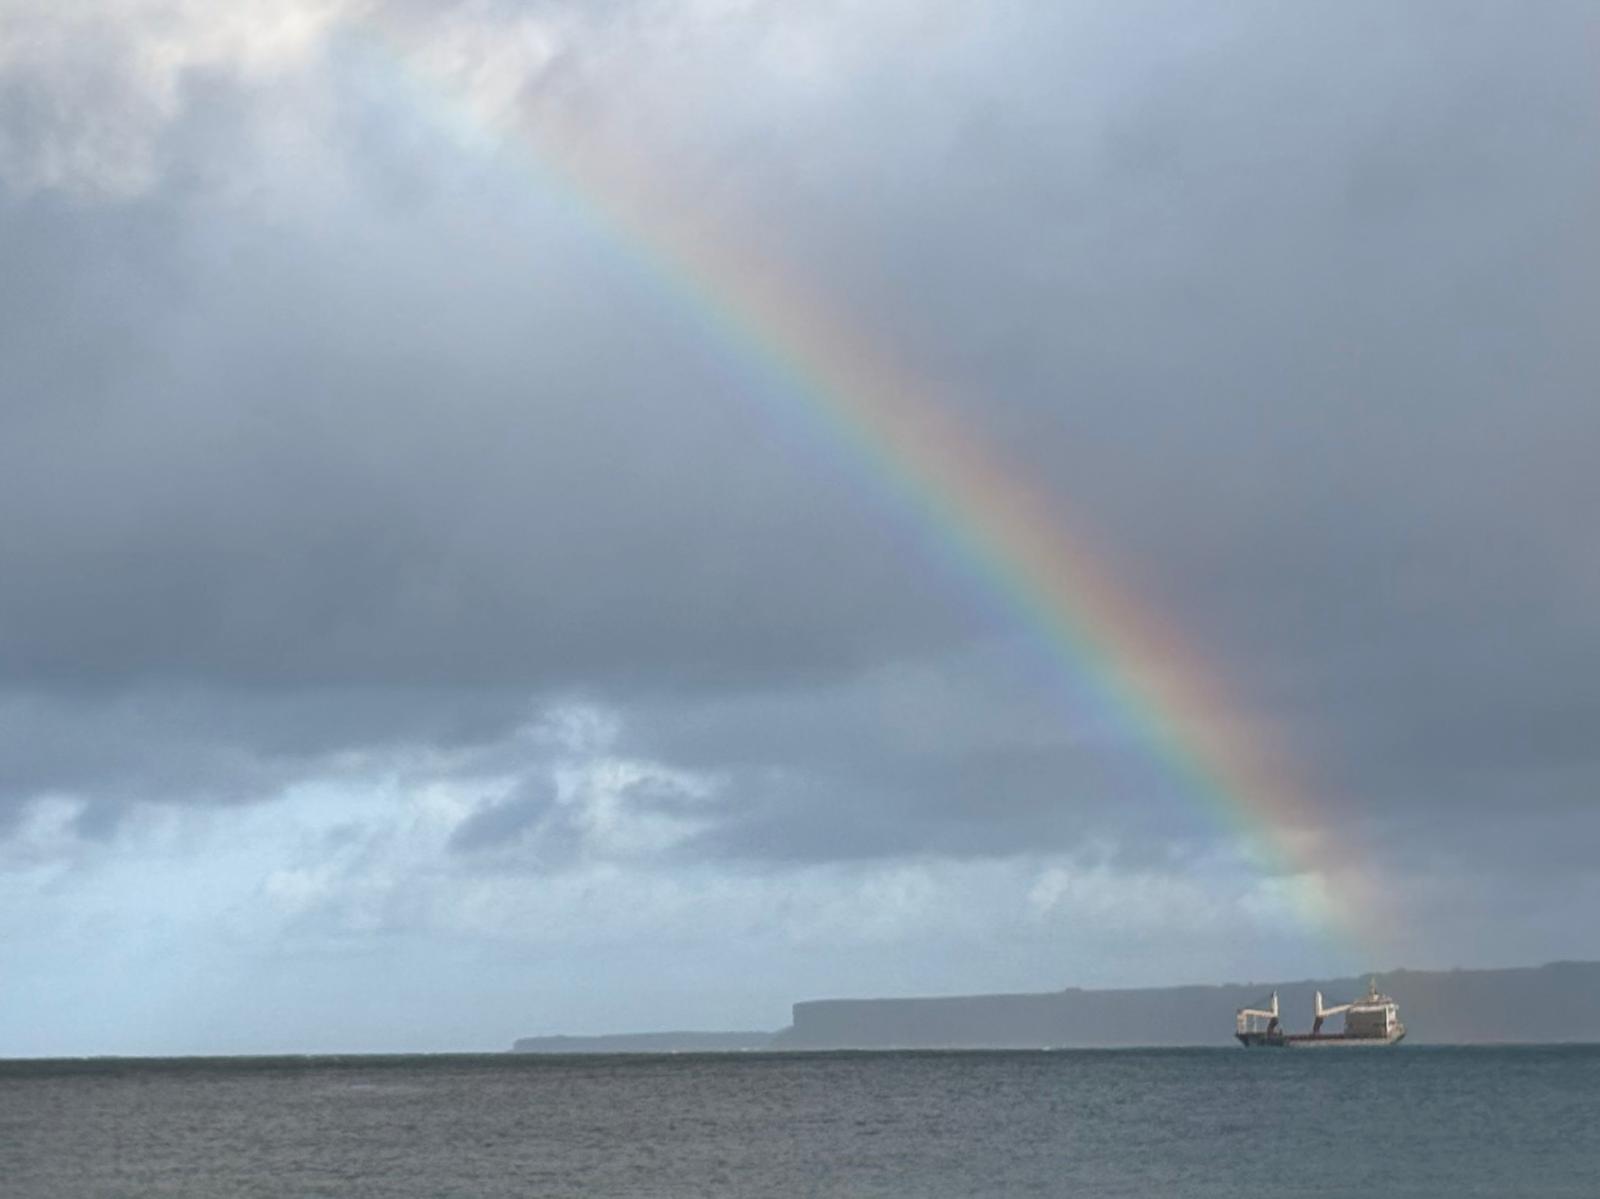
1410	1121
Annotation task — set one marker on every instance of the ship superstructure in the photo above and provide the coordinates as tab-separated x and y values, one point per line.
1374	1019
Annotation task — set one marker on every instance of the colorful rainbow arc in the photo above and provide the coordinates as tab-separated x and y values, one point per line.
1152	686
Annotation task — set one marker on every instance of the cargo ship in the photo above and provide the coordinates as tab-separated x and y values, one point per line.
1373	1019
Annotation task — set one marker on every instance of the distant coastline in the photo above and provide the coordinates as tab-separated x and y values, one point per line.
648	1042
1558	1002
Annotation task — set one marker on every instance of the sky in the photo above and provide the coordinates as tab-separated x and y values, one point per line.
446	595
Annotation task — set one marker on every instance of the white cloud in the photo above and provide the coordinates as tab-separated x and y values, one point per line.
89	88
90	92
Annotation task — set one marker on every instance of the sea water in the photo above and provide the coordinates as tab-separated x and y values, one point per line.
1409	1121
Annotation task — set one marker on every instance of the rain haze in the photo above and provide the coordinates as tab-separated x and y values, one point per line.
436	607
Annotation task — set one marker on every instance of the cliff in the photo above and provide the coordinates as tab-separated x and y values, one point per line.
1557	1002
1553	1003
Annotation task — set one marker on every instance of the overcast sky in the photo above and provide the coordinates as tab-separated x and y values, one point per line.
421	627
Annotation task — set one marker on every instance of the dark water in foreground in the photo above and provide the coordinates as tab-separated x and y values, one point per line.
1408	1121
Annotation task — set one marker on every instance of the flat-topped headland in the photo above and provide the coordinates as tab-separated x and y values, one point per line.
1559	1002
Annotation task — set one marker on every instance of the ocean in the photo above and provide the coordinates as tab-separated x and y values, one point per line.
1411	1121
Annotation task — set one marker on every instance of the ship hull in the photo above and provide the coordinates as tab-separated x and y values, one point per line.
1252	1040
1261	1040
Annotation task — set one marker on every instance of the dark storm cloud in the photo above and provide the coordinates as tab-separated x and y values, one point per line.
500	821
322	491
991	752
203	744
1286	308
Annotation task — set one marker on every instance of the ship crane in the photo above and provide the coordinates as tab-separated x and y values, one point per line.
1244	1021
1323	1013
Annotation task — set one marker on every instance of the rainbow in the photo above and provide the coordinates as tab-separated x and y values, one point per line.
1149	683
